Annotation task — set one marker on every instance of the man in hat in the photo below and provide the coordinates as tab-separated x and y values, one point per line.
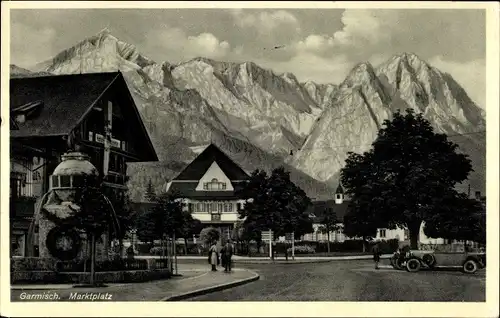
228	253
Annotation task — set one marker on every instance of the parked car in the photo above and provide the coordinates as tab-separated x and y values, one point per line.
470	262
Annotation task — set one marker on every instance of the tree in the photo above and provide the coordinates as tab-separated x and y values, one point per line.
190	227
124	213
328	224
359	222
400	180
93	215
459	218
209	235
150	193
145	224
275	203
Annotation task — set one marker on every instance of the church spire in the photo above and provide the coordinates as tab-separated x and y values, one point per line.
339	194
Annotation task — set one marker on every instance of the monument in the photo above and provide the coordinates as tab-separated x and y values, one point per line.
56	238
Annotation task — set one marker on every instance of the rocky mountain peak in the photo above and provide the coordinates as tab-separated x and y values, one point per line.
360	74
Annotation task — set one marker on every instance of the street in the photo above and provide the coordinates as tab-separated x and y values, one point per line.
355	280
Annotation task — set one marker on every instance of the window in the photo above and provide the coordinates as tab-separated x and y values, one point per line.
65	181
214	185
221	207
78	181
198	207
382	232
339	196
228	207
55	181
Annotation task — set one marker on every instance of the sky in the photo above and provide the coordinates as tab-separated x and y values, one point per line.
321	45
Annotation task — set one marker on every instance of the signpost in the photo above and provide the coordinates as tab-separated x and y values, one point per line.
291	237
268	236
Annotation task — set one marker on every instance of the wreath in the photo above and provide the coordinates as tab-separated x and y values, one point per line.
67	235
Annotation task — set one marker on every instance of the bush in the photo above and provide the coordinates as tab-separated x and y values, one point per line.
158	250
209	234
102	266
389	246
302	249
144	248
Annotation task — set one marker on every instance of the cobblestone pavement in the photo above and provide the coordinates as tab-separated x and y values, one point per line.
193	278
354	280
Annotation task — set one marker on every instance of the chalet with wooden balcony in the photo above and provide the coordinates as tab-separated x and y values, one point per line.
209	187
95	111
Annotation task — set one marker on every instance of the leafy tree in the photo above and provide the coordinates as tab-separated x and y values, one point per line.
209	234
274	202
328	224
400	180
145	224
166	219
150	194
93	214
459	218
359	222
190	226
124	213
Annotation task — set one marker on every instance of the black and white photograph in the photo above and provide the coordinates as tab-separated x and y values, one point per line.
234	152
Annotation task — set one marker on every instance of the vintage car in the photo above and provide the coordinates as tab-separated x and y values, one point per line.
415	260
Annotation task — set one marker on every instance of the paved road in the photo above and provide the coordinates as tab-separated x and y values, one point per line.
352	281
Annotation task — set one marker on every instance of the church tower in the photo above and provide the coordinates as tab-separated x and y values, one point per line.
339	195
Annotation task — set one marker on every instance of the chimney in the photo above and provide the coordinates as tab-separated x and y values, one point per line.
478	195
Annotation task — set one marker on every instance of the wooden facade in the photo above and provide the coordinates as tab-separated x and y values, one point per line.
49	115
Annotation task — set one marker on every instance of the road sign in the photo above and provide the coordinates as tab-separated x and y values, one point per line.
266	235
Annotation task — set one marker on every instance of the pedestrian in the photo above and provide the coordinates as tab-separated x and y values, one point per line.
376	254
223	257
213	257
228	253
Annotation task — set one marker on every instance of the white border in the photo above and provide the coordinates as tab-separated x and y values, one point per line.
255	309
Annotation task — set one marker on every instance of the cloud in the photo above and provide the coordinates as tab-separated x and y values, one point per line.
177	44
311	67
265	21
470	75
26	39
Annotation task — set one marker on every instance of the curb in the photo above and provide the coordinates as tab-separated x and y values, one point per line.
209	290
305	260
280	262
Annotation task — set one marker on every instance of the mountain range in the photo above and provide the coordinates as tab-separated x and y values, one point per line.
263	120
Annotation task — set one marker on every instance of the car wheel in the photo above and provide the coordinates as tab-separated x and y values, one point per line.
429	260
413	265
399	264
470	266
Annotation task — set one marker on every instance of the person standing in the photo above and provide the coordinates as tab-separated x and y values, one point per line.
228	253
376	254
223	256
213	256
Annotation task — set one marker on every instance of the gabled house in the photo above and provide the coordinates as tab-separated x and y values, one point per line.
49	114
209	187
